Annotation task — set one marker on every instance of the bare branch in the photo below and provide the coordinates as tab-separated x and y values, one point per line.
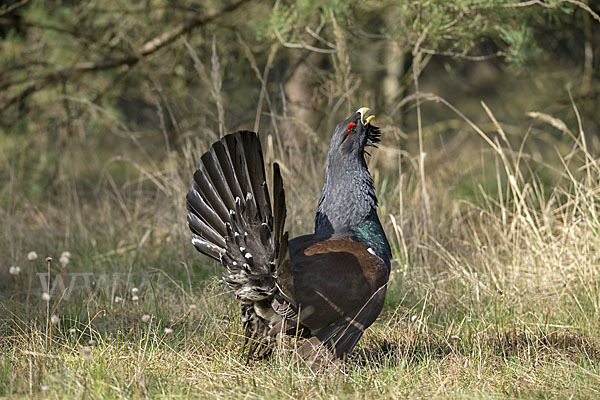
6	9
577	3
302	45
148	48
463	56
319	38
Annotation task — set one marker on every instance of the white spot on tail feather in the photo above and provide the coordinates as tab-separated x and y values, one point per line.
370	250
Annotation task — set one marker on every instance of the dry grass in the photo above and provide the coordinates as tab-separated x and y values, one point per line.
493	294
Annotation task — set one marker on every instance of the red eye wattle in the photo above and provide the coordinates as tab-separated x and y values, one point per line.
350	126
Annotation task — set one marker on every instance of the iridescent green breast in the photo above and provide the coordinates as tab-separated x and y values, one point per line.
372	234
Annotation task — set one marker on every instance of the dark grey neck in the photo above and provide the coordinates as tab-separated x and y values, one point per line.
348	204
348	196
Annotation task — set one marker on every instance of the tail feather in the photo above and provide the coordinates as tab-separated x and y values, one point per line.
245	244
202	229
217	179
198	206
238	159
256	172
279	202
204	187
205	247
222	155
248	258
232	221
231	217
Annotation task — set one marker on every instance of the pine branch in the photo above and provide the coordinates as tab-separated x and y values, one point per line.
148	48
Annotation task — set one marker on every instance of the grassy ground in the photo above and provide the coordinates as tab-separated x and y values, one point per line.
495	288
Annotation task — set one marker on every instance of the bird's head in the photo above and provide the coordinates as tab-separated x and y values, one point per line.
352	135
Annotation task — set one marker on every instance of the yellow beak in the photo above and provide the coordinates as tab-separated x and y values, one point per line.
363	112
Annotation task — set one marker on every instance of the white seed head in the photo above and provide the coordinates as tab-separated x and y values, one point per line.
64	261
118	299
54	319
72	331
44	388
66	254
134	298
145	318
14	270
46	297
91	342
168	331
413	318
193	306
134	291
86	353
32	256
48	259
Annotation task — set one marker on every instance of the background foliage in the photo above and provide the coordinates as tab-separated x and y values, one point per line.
487	177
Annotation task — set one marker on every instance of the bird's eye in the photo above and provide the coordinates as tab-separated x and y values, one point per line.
351	128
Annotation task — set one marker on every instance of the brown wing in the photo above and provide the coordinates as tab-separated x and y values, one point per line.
339	288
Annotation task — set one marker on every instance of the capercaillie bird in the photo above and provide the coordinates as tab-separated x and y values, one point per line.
328	286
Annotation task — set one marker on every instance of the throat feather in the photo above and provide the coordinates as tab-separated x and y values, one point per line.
347	198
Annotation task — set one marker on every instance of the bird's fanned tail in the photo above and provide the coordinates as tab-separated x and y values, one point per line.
230	215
